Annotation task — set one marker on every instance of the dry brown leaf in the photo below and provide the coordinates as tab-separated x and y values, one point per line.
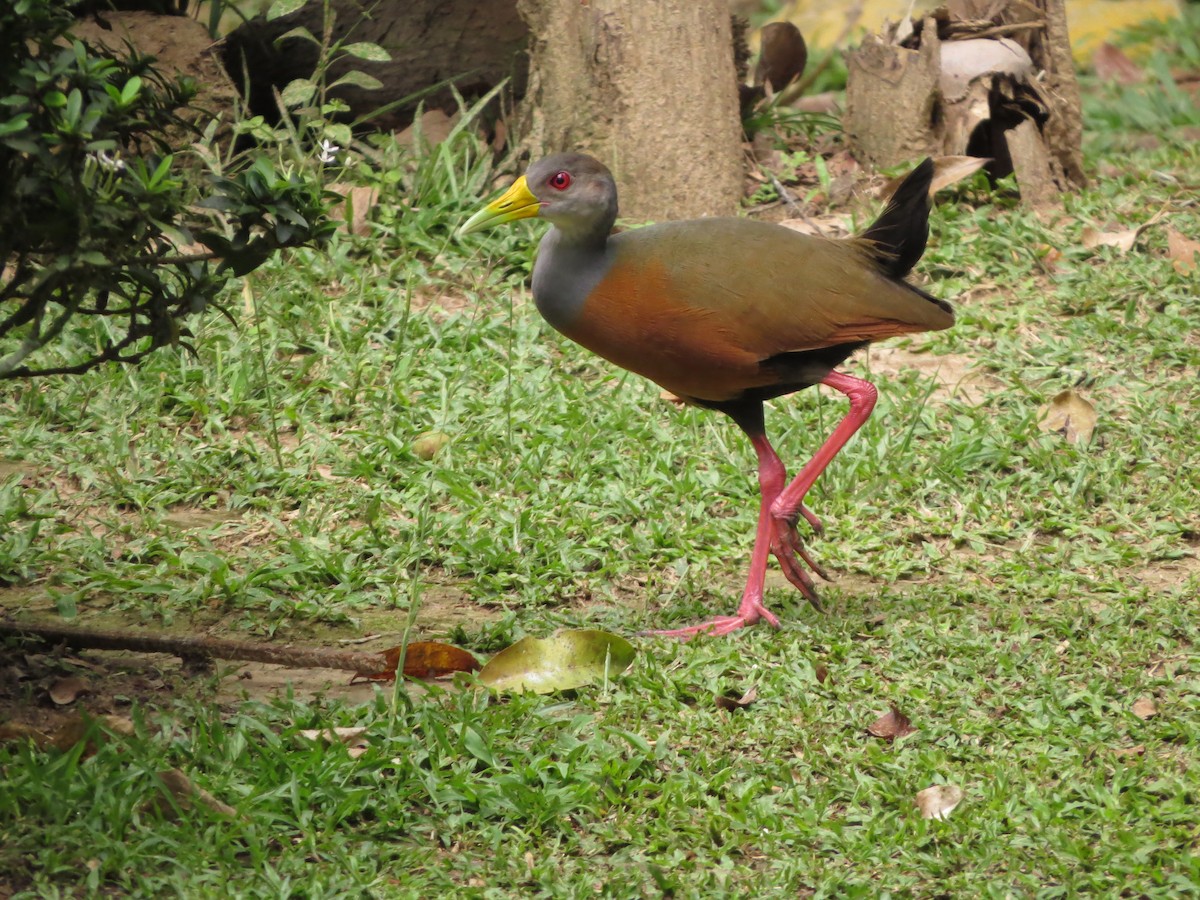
428	445
332	735
18	731
938	801
423	660
1070	415
822	673
1123	239
1144	708
435	126
67	690
1182	251
187	794
1111	64
730	702
353	211
891	725
1127	752
71	732
947	170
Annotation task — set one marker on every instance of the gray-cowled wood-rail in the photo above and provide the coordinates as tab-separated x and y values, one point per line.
726	313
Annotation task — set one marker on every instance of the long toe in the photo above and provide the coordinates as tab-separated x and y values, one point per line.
715	627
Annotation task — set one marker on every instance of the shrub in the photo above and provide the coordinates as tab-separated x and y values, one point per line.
108	239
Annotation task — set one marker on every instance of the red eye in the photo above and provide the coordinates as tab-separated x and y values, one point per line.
560	181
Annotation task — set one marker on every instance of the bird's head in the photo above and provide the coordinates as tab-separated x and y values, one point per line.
574	192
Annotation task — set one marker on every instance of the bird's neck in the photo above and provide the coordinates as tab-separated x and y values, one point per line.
566	271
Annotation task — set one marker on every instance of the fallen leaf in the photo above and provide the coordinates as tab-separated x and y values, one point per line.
187	794
730	702
1144	708
1111	64
71	732
353	211
332	735
1181	251
947	170
423	660
1070	415
1123	239
67	690
431	129
938	801
822	673
563	661
429	444
891	725
18	731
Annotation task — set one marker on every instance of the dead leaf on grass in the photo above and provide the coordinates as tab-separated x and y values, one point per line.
822	672
71	732
891	725
353	211
423	660
1144	708
1111	64
730	701
1123	239
938	801
566	660
1130	752
67	690
1182	251
332	735
18	731
187	794
428	445
947	170
1070	415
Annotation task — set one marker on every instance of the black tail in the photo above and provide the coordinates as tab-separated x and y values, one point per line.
898	237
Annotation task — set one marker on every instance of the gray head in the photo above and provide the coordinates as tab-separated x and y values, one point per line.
576	194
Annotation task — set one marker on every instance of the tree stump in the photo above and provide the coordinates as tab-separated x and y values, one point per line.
983	78
648	87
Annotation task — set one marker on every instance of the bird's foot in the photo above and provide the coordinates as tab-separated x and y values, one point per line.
811	517
786	545
750	612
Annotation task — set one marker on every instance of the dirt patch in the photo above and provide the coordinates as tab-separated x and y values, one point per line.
951	372
1168	574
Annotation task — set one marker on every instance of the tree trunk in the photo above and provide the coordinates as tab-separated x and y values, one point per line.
646	86
474	43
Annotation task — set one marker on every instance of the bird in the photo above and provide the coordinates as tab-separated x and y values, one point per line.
726	313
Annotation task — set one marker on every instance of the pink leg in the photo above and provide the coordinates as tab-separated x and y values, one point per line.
771	478
790	502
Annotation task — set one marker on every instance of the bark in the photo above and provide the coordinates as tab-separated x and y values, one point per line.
472	43
646	86
985	78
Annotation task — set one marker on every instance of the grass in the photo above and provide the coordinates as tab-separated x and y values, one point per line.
1013	594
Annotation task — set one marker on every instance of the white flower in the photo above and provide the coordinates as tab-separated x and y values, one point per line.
112	163
329	151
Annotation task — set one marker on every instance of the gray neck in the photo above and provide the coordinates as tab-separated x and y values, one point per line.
565	274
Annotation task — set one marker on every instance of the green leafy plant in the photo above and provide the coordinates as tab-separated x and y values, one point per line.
108	238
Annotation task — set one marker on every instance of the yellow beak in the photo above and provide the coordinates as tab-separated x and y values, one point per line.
517	202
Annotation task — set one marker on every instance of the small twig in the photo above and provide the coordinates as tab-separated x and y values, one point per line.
209	648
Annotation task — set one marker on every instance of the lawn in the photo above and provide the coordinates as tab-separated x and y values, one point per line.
1028	602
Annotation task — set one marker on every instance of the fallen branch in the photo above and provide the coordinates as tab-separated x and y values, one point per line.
189	647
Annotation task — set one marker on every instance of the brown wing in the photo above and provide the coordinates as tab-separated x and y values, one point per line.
697	306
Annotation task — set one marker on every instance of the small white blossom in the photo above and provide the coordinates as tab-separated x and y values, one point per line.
113	163
329	151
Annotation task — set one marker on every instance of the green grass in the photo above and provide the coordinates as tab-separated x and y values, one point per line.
1013	594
